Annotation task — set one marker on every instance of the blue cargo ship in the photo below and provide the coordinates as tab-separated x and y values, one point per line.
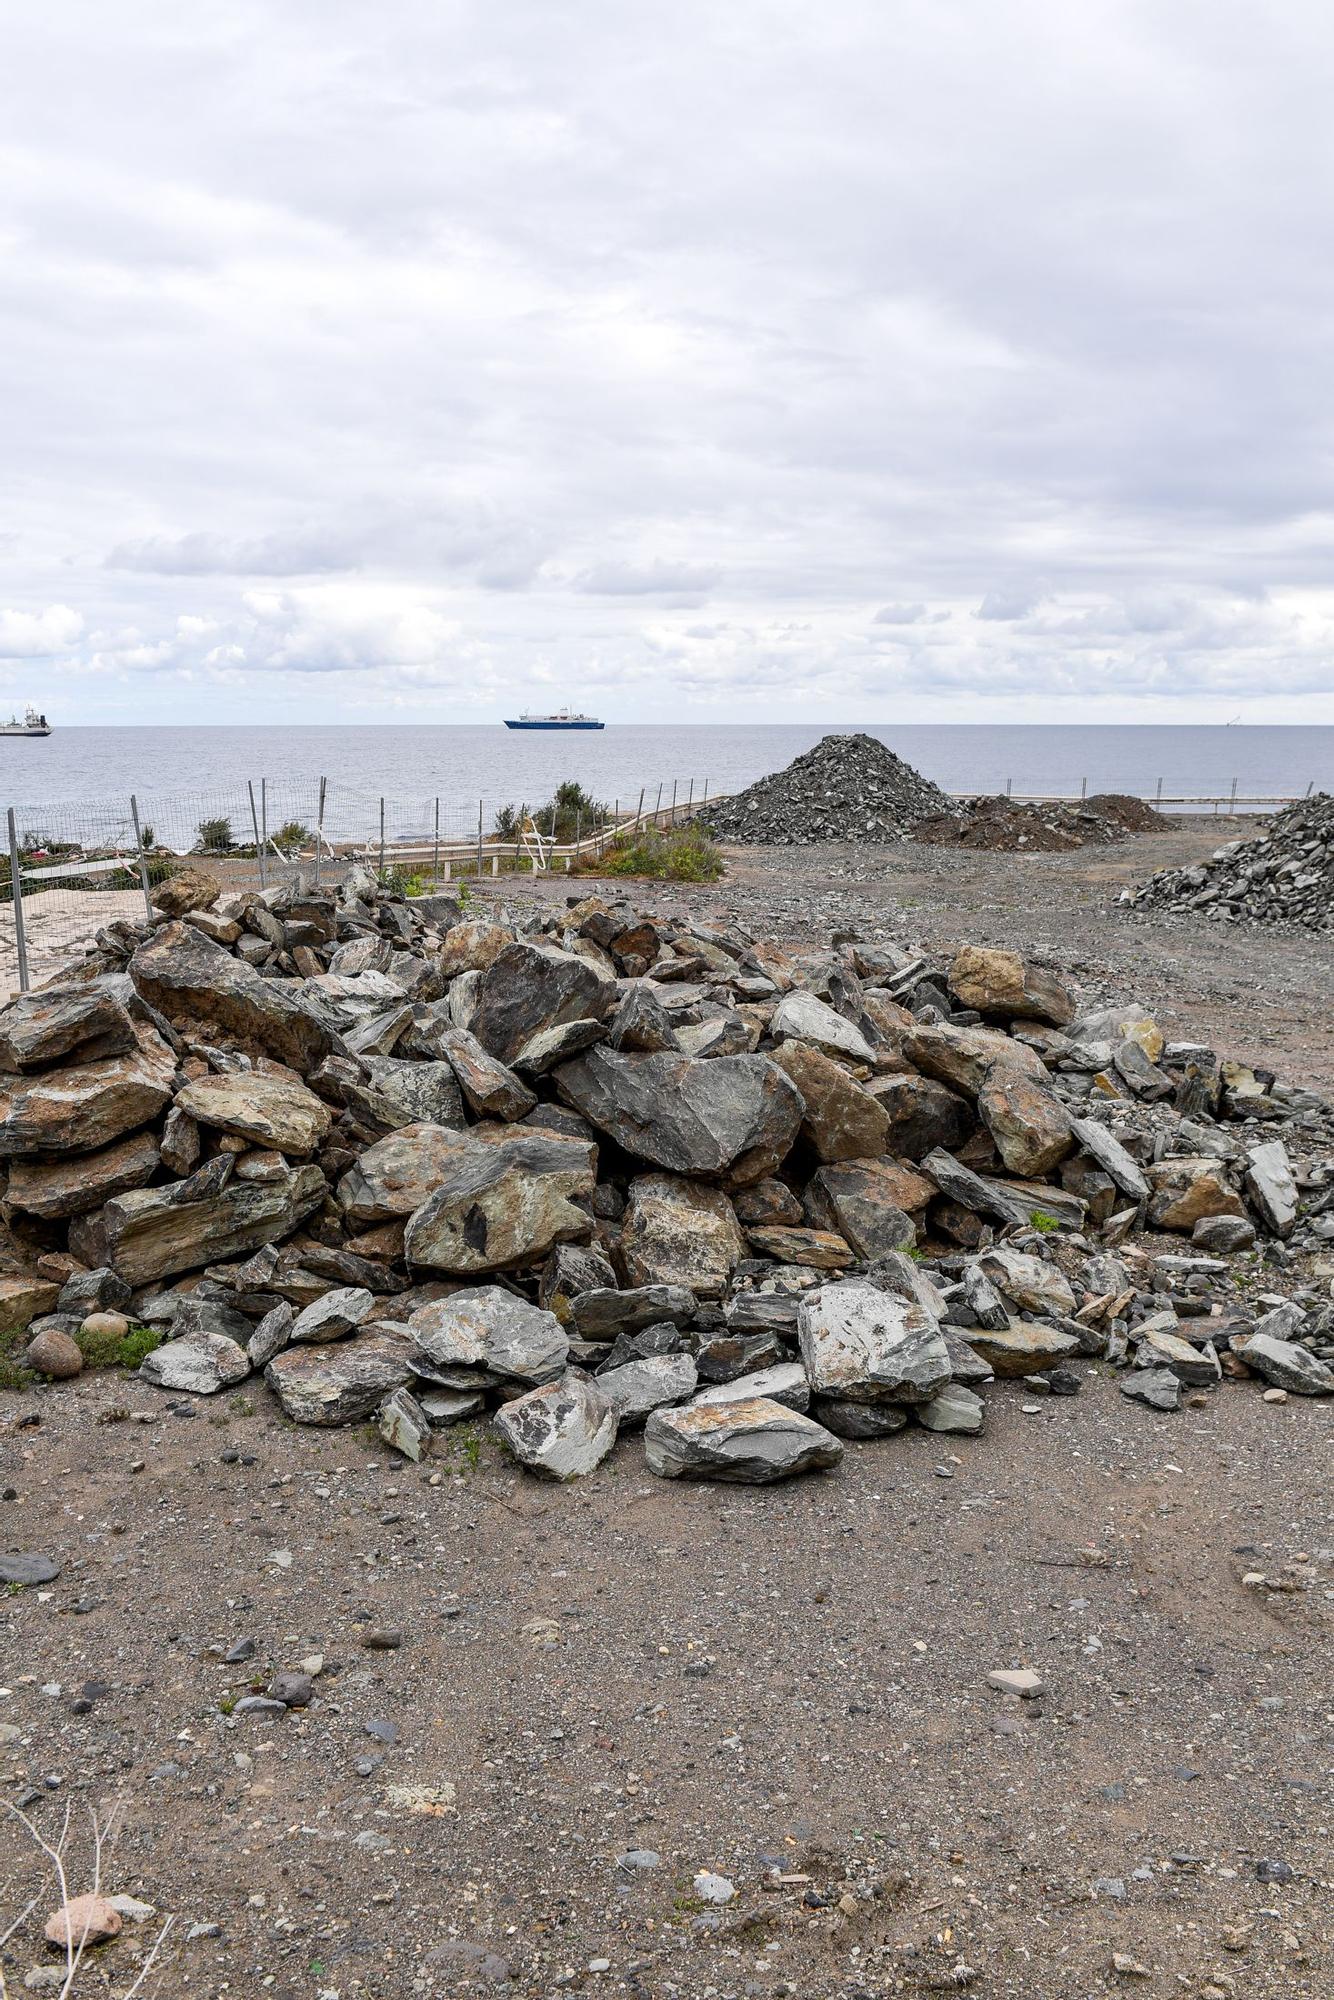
564	718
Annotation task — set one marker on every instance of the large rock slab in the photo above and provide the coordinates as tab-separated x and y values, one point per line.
22	1300
489	1330
472	946
63	1025
340	1383
1030	1283
841	1121
816	1249
199	1364
503	1204
964	1058
750	1443
491	1087
1002	983
725	1114
1023	1348
1104	1147
784	1383
396	1175
267	1109
637	1387
561	1431
333	1316
802	1017
1271	1186
529	989
868	1202
88	1105
57	1188
409	1093
922	1115
1031	1129
862	1345
606	1314
1188	1190
1288	1366
679	1232
154	1232
195	983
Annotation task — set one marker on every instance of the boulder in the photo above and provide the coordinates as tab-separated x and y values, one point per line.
333	1316
752	1443
153	1232
62	1025
562	1430
1187	1190
641	1024
1104	1147
785	1382
1287	1365
272	1335
1030	1283
529	989
502	1204
490	1331
550	1047
841	1121
472	946
410	1093
197	984
816	1249
1002	983
955	1411
86	1106
57	1188
1157	1388
1022	1348
606	1314
859	1421
1031	1129
960	1184
200	1363
862	1345
637	1387
395	1176
54	1354
1271	1186
922	1115
868	1203
266	1108
728	1114
677	1232
1198	1367
184	890
571	1269
491	1088
801	1017
1223	1234
340	1383
768	1204
964	1058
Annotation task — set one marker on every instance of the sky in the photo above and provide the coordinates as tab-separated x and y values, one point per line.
955	360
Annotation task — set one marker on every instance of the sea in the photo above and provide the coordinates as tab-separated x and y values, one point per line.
77	782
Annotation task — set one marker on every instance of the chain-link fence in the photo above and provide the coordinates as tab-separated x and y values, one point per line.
68	870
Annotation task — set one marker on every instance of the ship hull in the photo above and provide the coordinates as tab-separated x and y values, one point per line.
24	732
554	725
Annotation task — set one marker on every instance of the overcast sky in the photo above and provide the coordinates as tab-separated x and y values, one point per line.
914	360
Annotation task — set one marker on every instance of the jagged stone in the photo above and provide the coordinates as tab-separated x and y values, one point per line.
922	1115
840	1120
964	1058
86	1106
868	1203
491	1088
200	1363
955	1410
1022	1348
803	1017
531	988
1028	1282
563	1430
816	1249
1287	1365
604	1314
859	1421
736	1114
1270	1183
641	1024
334	1316
54	1189
1002	983
270	1110
488	1330
785	1382
679	1232
862	1345
501	1205
1104	1147
1032	1131
394	1177
404	1424
752	1443
154	1232
63	1025
196	983
637	1387
340	1383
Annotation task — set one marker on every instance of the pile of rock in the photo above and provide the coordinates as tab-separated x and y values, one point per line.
1286	876
599	1169
846	788
1001	826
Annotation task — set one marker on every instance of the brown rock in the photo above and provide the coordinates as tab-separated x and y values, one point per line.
195	983
1031	1129
63	1024
870	1203
472	946
268	1108
85	1107
679	1232
1002	983
55	1354
769	1204
840	1119
23	1300
187	889
83	1920
53	1189
821	1249
964	1058
1188	1190
394	1177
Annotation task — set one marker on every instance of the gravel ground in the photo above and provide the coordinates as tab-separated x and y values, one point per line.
730	1680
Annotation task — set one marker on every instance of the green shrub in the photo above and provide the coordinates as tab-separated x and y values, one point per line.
293	834
1045	1224
117	1350
213	836
14	1374
682	854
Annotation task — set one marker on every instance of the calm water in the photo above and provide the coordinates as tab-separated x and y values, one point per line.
180	774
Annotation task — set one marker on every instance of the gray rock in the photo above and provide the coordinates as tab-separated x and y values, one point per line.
86	1107
151	1233
55	1189
529	989
735	1114
863	1345
1288	1366
1271	1186
606	1314
269	1110
1223	1233
859	1421
403	1424
641	1024
417	1093
637	1387
543	1052
961	1184
272	1335
444	1407
752	1443
342	1382
196	983
785	1382
332	1317
863	1200
955	1410
1104	1147
922	1115
395	1176
291	1690
503	1204
27	1571
1156	1387
562	1430
200	1364
680	1233
801	1017
489	1329
491	1087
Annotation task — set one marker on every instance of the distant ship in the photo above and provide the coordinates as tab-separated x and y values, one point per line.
564	718
32	724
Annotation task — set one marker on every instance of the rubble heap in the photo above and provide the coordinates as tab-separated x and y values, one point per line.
1000	825
591	1170
846	788
1286	876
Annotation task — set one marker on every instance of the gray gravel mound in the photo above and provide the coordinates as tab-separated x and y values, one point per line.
846	788
1284	877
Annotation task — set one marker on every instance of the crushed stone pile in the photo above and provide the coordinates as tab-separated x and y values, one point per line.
1001	825
1286	876
846	788
590	1171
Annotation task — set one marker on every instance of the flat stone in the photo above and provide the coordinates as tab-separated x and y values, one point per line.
1271	1186
54	1189
85	1107
859	1422
1022	1348
862	1345
1001	982
334	1316
152	1233
270	1110
954	1410
196	983
1158	1388
970	1190
1224	1233
342	1382
785	1382
870	1203
488	1329
1288	1366
637	1387
1016	1680
965	1058
840	1121
490	1086
751	1443
444	1407
503	1204
1031	1130
680	1233
562	1430
801	1017
1030	1283
816	1249
28	1571
63	1025
1199	1367
199	1364
23	1300
272	1335
607	1314
724	1114
1104	1147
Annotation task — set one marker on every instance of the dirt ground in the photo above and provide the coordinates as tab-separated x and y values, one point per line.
784	1682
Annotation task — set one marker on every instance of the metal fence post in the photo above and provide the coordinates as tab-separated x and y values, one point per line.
382	836
479	840
673	801
143	864
657	810
690	803
1159	798
254	821
435	870
639	810
319	831
1232	802
16	896
263	831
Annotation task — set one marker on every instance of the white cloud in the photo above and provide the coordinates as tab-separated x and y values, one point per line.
498	346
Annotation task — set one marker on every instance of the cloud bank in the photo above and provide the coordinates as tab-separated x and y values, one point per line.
843	363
